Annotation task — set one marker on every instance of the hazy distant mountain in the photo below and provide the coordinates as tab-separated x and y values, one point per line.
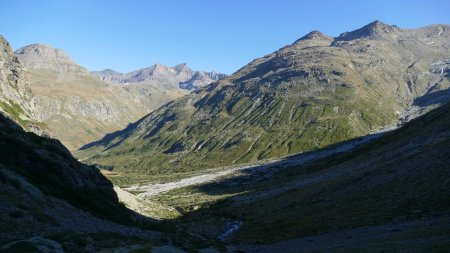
179	76
317	91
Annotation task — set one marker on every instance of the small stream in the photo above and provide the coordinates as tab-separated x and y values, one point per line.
231	226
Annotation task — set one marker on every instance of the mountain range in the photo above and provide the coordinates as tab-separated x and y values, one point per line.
64	93
315	92
179	76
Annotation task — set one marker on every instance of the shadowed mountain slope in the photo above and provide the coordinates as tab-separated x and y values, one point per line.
48	197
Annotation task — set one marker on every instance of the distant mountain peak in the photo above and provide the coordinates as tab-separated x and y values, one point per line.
378	26
43	50
111	71
375	30
178	76
42	56
159	66
181	67
316	35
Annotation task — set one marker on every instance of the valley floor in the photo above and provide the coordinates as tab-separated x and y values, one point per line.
152	189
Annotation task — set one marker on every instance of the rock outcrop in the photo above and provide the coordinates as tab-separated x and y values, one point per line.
15	92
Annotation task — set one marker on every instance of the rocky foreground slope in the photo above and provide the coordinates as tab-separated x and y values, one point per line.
64	93
317	91
50	200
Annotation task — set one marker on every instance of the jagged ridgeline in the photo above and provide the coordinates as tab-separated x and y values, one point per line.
317	91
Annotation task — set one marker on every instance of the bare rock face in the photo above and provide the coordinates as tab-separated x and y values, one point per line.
15	92
179	76
13	78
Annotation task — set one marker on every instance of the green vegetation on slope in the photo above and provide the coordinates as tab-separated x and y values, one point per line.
313	93
18	115
401	178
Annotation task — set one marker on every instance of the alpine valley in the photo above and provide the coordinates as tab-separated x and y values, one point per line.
315	92
329	144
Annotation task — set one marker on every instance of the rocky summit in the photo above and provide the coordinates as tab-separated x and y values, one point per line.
315	92
44	57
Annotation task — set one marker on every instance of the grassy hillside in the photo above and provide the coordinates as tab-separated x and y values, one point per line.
389	195
313	93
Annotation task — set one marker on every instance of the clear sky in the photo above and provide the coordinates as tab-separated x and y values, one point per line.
208	35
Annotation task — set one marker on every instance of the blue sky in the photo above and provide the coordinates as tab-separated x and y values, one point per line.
208	35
